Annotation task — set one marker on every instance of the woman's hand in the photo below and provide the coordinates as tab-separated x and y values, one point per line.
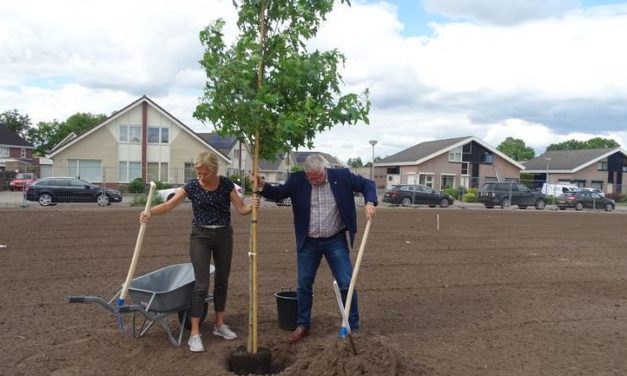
144	217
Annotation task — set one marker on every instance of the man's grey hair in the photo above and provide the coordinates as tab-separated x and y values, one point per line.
315	162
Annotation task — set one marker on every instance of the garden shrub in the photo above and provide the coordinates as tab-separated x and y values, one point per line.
137	186
451	191
140	200
471	195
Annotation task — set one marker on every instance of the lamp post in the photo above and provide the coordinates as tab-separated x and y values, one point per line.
373	143
547	159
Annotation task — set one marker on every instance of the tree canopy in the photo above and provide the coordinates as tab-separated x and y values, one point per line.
267	84
593	143
355	162
16	122
516	149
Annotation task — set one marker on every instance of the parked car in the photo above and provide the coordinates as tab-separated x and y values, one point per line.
50	191
505	194
594	190
584	199
167	194
413	194
22	180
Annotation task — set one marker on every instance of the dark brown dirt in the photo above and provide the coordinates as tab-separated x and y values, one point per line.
492	292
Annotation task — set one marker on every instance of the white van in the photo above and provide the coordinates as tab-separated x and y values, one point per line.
558	189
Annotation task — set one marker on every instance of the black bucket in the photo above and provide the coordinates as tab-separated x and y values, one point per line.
287	308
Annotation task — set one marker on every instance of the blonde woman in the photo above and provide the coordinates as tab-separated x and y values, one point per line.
212	235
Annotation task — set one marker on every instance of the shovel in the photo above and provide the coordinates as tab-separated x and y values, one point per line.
138	246
344	311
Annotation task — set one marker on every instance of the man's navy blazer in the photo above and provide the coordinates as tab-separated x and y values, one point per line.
343	183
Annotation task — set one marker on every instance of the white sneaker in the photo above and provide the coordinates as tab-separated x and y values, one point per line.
195	344
224	332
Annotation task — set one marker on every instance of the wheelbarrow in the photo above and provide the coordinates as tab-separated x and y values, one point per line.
156	296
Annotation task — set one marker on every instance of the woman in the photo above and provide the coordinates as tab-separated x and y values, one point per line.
211	196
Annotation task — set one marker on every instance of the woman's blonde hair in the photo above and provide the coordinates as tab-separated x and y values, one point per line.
208	159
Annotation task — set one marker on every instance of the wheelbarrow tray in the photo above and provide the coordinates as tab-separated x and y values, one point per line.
168	289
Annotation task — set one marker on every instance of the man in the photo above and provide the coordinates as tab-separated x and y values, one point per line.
324	210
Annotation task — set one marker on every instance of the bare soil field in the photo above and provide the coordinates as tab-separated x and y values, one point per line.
492	292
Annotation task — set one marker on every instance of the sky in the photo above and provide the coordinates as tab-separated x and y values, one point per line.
544	71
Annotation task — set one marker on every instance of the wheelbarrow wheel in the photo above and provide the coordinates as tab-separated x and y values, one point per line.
188	321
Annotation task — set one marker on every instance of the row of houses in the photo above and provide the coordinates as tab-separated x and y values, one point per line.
144	140
468	162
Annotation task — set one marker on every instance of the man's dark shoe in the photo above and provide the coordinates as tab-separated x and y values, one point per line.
297	334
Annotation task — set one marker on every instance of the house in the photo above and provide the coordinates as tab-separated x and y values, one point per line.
15	152
238	152
464	162
595	168
142	140
278	170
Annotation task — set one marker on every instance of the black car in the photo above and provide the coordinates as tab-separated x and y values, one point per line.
584	199
49	191
414	194
505	194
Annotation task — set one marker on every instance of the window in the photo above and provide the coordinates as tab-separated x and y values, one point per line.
596	184
455	155
130	133
153	135
23	153
487	158
157	171
448	182
426	180
158	135
129	171
123	133
89	170
602	166
4	152
464	168
190	172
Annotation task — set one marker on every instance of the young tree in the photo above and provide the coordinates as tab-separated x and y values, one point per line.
267	89
19	124
516	149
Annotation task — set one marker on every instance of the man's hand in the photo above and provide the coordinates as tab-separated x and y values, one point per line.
260	181
370	210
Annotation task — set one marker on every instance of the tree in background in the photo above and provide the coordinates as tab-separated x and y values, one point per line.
48	134
19	124
376	159
356	162
267	89
593	143
516	149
